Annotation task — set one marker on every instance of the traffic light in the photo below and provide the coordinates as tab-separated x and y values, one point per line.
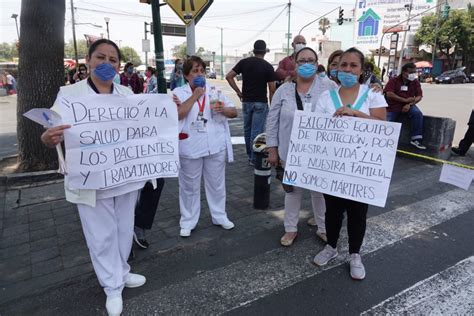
341	16
446	11
383	50
376	51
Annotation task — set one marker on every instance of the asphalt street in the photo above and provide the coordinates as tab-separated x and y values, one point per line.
418	249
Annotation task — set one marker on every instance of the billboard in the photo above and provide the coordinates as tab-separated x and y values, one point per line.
374	17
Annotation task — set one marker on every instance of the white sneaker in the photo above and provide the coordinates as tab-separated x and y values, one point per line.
357	268
134	280
185	232
228	225
114	305
323	257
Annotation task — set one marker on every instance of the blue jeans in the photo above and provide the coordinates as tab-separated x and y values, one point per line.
255	117
416	121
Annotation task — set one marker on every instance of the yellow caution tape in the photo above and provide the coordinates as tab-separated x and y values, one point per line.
435	159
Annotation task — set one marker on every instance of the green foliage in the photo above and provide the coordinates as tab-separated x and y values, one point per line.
179	51
376	69
324	25
8	51
81	49
130	55
453	31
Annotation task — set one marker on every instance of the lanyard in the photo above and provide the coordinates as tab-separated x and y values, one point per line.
92	85
202	105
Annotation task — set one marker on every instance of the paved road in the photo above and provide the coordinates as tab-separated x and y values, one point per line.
418	253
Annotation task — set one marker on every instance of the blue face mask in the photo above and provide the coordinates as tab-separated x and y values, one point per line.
322	75
130	70
105	72
306	70
199	81
333	73
347	79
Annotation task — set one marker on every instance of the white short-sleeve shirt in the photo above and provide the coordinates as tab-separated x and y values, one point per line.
374	100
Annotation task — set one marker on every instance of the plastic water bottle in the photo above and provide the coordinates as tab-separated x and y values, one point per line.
213	98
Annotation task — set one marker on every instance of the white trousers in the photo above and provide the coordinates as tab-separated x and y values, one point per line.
108	229
293	206
212	168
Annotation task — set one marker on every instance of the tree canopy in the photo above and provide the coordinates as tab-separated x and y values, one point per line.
8	51
179	51
130	55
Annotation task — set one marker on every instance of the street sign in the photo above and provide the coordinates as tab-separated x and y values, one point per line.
145	45
187	10
173	29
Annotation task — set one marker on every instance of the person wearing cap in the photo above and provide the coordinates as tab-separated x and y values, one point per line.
286	67
257	73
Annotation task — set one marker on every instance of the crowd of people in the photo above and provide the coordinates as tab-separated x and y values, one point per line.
112	219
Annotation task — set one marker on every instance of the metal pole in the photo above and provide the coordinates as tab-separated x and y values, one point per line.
190	39
433	52
222	53
288	39
17	31
146	53
159	57
74	34
108	35
404	40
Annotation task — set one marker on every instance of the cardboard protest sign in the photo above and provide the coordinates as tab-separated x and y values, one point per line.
116	140
346	157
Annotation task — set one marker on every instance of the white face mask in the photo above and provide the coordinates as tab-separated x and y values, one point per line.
412	77
299	47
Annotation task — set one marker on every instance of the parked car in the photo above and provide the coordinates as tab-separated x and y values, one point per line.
471	79
452	76
211	75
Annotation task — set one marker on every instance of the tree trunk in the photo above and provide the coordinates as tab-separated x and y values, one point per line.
40	74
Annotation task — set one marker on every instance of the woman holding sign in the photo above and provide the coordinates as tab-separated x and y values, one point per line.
302	95
203	148
107	216
350	99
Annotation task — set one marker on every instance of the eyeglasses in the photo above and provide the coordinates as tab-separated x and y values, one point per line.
306	61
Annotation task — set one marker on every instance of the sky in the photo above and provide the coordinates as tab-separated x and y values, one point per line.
243	22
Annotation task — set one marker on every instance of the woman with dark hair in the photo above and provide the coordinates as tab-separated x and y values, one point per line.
81	73
177	78
129	78
350	99
333	61
106	215
204	147
151	83
302	94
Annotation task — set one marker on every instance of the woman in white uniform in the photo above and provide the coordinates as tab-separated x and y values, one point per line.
204	147
304	94
107	216
352	98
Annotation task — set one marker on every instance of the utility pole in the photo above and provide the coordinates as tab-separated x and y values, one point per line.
399	69
289	34
74	34
146	52
190	38
433	52
222	53
159	56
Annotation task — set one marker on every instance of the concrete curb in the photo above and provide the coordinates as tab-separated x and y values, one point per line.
36	178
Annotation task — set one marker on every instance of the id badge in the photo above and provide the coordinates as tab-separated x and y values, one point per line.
198	126
308	107
404	88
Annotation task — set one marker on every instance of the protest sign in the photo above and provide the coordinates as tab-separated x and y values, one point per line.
347	157
457	176
116	140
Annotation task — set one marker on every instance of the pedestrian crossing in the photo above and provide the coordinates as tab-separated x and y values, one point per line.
245	282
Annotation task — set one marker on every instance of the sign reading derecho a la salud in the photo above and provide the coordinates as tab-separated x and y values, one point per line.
346	157
116	140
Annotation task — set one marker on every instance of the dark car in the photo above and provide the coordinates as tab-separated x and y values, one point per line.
452	76
471	79
211	75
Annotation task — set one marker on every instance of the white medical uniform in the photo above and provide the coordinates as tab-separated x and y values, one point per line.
203	153
107	216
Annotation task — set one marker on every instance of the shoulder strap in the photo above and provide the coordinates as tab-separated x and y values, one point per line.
335	99
299	103
361	100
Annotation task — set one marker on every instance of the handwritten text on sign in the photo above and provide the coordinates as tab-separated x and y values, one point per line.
116	140
346	157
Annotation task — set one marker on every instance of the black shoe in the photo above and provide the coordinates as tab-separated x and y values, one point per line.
131	256
457	151
142	243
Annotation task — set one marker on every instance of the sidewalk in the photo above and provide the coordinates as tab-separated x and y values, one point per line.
42	243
